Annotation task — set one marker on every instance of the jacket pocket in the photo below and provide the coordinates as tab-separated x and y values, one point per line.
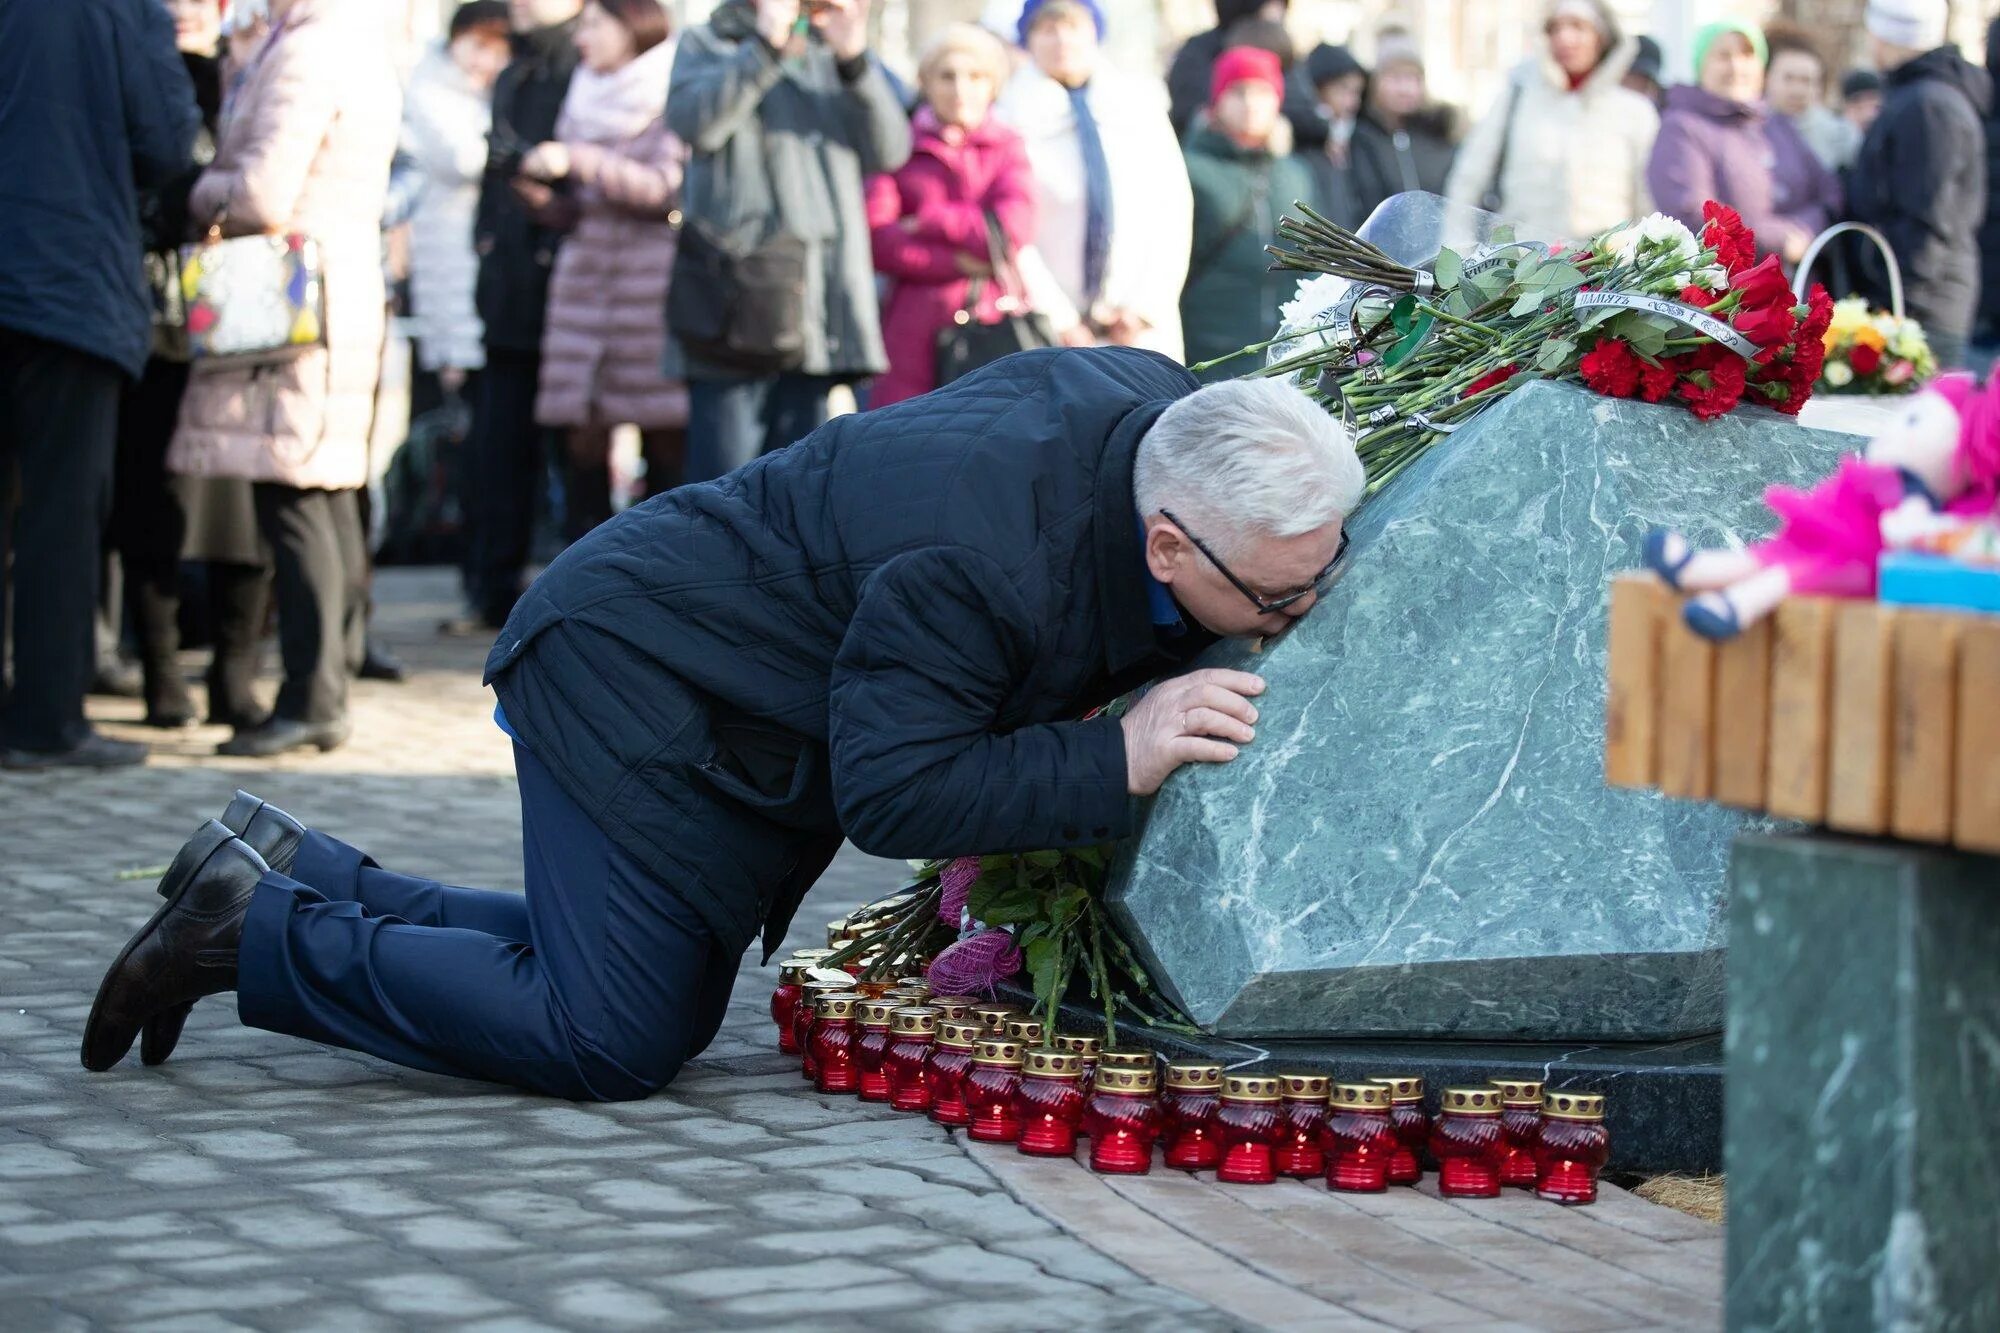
770	771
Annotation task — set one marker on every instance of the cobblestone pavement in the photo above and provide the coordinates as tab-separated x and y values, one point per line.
261	1182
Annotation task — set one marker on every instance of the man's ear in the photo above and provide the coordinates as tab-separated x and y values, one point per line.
1165	548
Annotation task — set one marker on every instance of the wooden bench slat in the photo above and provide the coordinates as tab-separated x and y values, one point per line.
1857	798
1976	776
1640	604
1925	722
1801	692
1743	718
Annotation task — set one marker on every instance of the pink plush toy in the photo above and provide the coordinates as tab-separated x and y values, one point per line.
1941	456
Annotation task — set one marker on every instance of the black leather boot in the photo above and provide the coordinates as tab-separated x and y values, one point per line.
187	950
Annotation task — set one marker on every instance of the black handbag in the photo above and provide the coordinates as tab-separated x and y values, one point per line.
739	306
967	343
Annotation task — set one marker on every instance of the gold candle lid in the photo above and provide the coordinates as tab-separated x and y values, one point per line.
962	1003
876	1013
1519	1091
809	955
909	995
915	983
837	1004
1361	1096
1002	1051
1044	1063
1026	1030
993	1015
1303	1087
1128	1057
1563	1105
821	986
1085	1047
1194	1076
1402	1087
1249	1088
1470	1101
794	973
958	1035
1110	1078
914	1020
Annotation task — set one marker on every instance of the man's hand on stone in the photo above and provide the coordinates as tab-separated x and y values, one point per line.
1199	718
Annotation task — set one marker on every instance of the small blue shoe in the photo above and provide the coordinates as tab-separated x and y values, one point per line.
1654	552
1718	626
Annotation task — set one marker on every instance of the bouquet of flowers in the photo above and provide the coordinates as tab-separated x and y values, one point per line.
1872	351
1649	310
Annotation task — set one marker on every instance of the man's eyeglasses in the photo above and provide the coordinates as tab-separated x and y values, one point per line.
1265	605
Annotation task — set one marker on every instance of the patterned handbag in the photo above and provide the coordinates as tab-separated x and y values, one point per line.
253	300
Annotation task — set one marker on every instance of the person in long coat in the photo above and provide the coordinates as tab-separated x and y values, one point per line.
1563	151
1401	142
928	219
1718	141
1244	176
306	148
620	170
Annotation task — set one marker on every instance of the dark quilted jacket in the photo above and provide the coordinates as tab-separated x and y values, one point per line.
882	631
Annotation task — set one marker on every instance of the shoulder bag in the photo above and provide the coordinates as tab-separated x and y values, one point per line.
252	300
737	305
967	343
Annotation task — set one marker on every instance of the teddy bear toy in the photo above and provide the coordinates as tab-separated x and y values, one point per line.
1939	457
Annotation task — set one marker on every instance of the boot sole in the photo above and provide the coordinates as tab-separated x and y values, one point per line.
213	836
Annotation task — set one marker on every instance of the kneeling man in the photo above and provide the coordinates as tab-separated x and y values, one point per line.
882	633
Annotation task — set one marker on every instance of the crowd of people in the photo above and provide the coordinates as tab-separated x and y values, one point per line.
701	235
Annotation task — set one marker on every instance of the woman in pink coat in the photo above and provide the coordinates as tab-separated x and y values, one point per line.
928	219
306	140
606	329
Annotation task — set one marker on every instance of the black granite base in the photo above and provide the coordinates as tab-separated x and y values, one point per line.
1663	1100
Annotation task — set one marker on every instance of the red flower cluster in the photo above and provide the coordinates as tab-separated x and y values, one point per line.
1491	378
1723	231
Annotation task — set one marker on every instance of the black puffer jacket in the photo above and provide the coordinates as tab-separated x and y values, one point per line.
515	251
1989	232
1416	156
96	104
881	631
1921	179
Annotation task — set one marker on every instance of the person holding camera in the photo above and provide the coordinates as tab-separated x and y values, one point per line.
773	300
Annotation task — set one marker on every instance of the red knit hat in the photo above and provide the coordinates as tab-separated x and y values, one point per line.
1245	62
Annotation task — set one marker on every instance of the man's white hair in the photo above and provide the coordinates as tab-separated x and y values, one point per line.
1248	457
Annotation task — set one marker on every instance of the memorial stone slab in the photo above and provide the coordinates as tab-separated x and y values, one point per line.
1864	1076
1420	842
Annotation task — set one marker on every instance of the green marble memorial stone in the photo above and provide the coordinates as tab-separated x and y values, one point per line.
1420	842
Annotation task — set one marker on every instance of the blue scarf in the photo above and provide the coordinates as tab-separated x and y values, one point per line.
1096	197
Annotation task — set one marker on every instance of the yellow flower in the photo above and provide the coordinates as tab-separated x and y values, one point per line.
1870	336
1849	314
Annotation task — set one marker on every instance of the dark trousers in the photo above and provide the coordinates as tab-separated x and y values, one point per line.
508	453
237	599
58	428
320	564
587	472
595	985
148	525
732	422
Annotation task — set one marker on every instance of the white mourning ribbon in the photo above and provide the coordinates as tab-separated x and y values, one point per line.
1699	320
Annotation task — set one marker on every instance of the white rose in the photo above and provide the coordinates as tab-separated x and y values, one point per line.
1838	373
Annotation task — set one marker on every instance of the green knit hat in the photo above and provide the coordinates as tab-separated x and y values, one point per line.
1706	35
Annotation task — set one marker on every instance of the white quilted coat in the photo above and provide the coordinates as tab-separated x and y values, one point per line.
445	120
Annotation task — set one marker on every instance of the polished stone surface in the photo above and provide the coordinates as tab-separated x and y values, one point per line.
1863	1087
1420	842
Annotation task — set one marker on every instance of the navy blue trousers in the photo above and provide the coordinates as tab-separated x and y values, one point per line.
597	984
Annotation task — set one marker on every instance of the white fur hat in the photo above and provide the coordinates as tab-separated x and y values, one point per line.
1915	25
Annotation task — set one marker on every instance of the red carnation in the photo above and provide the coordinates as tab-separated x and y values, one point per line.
1611	368
1819	314
1491	378
1722	231
1764	285
1866	360
1657	381
1714	384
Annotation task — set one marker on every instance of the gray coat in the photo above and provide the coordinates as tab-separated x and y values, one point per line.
785	143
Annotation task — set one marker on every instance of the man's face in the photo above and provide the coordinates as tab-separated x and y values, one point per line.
1792	84
1399	89
1064	47
1342	96
1273	567
1248	111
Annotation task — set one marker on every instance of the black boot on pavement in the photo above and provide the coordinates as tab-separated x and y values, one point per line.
281	734
187	950
93	751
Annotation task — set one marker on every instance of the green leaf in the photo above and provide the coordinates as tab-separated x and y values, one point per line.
1527	271
1560	277
1527	304
1045	859
1447	267
1555	355
1044	964
1459	302
1403	314
1501	235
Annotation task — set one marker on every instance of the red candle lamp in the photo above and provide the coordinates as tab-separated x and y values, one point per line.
957	1008
993	1016
806	1017
1520	1129
785	1003
1083	1048
1122	1118
1573	1148
990	1089
833	1039
1361	1139
1022	1028
912	1033
1049	1104
1413	1126
871	1045
949	1063
1250	1124
1128	1057
1188	1110
1467	1143
1302	1100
